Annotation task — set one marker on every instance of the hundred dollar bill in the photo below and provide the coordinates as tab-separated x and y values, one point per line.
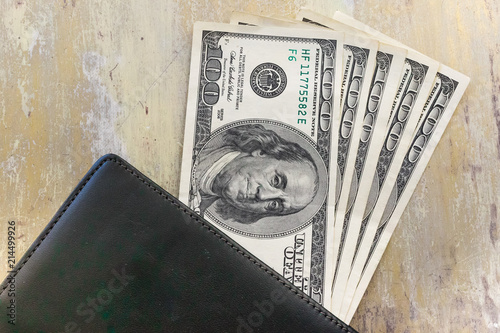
447	92
259	148
413	88
359	61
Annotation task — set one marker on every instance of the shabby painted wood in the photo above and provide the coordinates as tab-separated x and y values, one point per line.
79	79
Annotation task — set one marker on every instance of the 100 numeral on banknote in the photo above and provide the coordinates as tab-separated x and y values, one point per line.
258	153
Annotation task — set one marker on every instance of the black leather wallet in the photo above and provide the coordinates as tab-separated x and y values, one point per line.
123	255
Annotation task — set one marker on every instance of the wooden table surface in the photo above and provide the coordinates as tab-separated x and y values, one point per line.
79	79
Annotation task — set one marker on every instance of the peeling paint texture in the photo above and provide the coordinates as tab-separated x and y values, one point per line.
79	79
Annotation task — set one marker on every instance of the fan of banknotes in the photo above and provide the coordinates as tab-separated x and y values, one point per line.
305	140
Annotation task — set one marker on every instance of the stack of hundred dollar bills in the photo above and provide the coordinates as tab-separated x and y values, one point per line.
305	140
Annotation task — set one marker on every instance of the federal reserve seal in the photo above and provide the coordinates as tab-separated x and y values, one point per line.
268	80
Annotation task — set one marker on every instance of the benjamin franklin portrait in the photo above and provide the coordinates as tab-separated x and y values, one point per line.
252	179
